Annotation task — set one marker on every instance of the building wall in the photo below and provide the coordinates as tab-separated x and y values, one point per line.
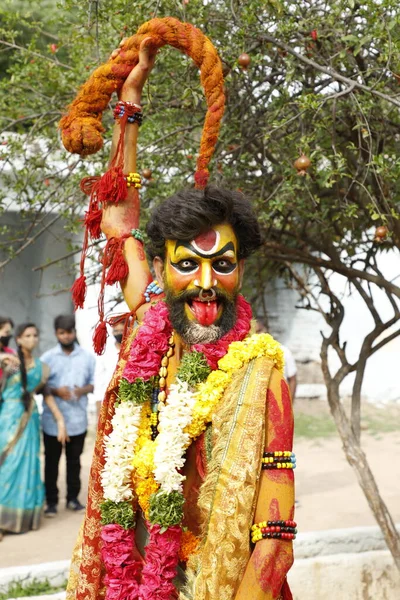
301	331
27	295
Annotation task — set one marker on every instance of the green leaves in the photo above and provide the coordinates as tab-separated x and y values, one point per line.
120	513
281	106
193	368
166	509
137	392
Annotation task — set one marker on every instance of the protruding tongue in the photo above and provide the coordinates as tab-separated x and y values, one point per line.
205	312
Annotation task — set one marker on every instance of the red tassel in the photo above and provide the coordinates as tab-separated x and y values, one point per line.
79	292
112	186
88	184
118	270
93	222
100	337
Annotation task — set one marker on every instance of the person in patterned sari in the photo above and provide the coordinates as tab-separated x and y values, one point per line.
21	487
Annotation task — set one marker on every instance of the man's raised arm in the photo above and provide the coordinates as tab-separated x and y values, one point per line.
120	219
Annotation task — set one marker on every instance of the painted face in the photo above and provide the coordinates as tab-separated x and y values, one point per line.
204	275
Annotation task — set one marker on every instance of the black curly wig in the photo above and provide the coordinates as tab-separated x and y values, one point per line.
191	212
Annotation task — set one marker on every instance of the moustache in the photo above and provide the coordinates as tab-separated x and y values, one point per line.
188	295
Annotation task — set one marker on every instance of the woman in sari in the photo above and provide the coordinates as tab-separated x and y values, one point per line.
21	487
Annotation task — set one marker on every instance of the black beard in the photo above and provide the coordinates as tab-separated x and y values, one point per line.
67	346
194	333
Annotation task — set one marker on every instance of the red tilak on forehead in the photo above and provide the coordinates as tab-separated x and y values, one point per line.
206	241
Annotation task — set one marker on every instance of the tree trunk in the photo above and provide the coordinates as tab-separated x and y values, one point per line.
358	461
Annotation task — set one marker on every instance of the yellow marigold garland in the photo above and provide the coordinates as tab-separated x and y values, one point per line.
143	462
144	489
211	391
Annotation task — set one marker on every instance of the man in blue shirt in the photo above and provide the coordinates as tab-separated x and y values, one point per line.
71	379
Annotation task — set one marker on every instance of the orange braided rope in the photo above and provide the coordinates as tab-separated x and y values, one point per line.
82	128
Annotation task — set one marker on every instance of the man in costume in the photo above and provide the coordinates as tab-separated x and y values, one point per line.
191	493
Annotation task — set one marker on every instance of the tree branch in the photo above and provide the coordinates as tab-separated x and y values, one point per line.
328	70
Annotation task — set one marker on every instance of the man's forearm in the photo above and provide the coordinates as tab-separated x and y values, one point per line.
266	570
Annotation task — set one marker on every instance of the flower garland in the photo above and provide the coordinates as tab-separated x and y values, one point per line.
210	392
172	441
117	473
202	379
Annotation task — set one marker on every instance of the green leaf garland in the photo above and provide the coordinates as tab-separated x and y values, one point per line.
118	512
166	509
193	368
137	392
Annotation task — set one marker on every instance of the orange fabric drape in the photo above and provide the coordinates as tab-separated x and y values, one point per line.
81	127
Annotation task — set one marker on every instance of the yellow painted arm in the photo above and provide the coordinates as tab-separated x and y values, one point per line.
119	219
271	559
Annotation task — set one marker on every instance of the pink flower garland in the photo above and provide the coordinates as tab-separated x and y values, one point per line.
162	557
124	572
150	344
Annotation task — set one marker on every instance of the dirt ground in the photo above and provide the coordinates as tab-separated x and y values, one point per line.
327	491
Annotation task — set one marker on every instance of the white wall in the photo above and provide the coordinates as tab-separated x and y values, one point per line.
300	330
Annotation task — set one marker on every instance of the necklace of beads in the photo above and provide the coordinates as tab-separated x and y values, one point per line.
159	394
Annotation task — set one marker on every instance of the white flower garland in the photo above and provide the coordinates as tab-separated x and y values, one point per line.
174	417
118	450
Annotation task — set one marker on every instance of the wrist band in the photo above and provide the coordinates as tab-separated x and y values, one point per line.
281	530
280	459
132	110
133	180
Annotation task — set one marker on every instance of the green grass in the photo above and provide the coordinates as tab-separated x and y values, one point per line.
311	427
375	421
380	423
33	588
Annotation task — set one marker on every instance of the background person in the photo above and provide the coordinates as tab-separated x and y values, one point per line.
7	354
105	365
21	487
71	379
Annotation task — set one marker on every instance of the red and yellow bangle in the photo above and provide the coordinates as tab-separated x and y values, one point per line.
281	530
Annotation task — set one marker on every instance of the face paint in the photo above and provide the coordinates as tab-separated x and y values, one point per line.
203	276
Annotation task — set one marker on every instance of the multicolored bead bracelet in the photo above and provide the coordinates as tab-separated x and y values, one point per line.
281	530
152	288
280	459
134	111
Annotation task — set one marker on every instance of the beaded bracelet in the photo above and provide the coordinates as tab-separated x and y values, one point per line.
281	530
134	111
134	180
152	288
280	459
138	235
